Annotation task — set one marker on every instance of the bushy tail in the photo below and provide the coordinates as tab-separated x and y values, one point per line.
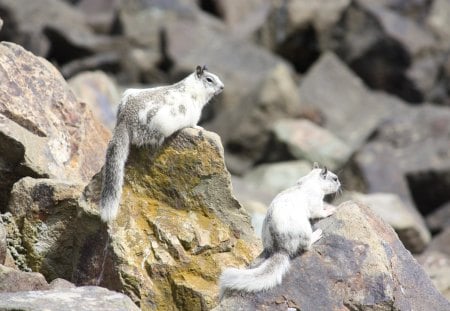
113	171
267	275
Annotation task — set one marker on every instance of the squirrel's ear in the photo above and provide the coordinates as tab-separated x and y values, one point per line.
315	165
324	171
199	71
204	68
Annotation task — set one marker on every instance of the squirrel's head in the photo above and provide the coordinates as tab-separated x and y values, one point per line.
210	81
323	178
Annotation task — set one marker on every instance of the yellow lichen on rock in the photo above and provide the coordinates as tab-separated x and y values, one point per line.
178	225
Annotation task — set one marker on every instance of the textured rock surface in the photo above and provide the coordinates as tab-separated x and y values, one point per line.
308	141
359	264
3	245
87	298
177	226
405	221
45	211
12	280
44	130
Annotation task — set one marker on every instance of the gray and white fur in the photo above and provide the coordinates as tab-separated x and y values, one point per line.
148	117
286	232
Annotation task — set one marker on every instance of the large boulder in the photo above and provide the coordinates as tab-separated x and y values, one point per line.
359	264
87	298
44	130
12	280
178	225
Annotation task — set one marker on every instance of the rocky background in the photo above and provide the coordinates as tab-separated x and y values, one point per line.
360	86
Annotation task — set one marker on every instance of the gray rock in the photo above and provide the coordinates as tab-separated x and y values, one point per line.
436	262
12	280
344	101
308	141
359	264
275	177
409	226
59	284
439	20
99	91
3	245
46	211
100	14
439	219
87	298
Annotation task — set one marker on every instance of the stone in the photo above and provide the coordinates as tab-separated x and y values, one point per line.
273	178
344	111
99	91
308	141
178	224
61	284
436	262
46	211
419	139
86	298
12	280
408	224
99	14
439	20
359	264
53	29
439	219
44	130
16	252
3	245
1	24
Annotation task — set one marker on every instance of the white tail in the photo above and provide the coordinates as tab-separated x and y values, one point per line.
113	172
265	276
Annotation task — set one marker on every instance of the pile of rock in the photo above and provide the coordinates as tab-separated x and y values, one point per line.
359	86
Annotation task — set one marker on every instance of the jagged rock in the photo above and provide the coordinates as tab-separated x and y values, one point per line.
436	262
99	92
439	219
359	264
343	111
12	280
51	28
87	298
419	140
44	130
45	211
439	20
177	226
3	245
308	141
408	224
272	178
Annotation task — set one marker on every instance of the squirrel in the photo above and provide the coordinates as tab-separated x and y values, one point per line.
148	117
286	231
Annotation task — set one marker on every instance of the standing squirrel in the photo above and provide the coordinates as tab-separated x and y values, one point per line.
147	117
286	231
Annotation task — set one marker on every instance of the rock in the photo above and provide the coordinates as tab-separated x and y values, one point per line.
308	141
439	20
294	29
1	24
382	46
87	298
243	18
420	138
408	224
12	280
3	245
275	177
61	284
16	252
52	29
436	262
100	14
439	219
177	226
100	93
46	131
344	111
359	264
46	211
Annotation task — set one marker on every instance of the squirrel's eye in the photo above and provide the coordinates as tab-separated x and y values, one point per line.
209	80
